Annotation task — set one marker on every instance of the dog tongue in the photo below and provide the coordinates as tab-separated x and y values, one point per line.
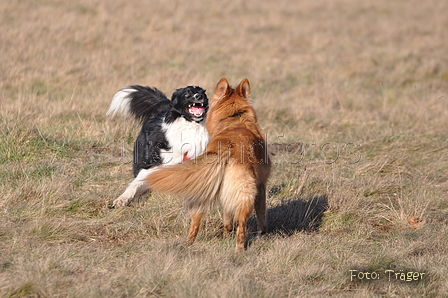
197	110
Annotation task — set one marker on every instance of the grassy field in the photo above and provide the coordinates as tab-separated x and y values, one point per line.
353	96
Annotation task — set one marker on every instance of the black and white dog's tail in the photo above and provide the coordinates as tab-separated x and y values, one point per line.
139	101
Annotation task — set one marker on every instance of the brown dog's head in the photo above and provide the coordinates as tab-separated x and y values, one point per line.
229	105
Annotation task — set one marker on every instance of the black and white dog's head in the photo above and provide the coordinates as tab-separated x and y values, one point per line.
191	102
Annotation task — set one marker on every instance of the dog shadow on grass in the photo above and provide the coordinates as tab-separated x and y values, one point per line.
294	215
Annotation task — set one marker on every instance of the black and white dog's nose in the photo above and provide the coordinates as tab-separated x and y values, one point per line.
197	96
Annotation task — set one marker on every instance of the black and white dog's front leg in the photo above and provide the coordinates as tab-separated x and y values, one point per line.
137	187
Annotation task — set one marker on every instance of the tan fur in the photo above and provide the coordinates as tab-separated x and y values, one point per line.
233	171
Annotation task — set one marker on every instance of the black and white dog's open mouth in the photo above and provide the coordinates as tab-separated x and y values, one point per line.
196	109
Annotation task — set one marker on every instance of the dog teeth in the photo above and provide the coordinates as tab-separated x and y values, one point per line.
195	105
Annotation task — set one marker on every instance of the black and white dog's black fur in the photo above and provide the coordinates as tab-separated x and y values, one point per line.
172	130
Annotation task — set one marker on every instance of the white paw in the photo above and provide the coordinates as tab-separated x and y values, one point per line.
121	202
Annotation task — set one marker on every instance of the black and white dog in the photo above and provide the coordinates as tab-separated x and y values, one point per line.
173	130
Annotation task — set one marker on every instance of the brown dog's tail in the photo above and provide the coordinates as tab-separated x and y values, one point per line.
199	183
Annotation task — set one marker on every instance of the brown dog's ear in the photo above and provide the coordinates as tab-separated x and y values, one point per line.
221	88
243	88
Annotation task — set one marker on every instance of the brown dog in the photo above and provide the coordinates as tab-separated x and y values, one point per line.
233	171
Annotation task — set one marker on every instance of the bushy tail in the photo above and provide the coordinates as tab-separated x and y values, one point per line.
139	101
199	183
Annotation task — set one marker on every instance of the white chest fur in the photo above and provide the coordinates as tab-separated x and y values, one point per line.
187	140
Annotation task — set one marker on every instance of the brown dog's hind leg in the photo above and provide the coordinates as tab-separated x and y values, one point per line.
243	217
260	208
194	227
228	224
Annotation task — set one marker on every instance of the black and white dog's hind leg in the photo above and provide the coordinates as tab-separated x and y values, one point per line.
137	187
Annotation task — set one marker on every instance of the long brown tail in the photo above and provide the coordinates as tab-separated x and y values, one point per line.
199	183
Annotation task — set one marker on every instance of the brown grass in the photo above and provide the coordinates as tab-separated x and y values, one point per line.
361	86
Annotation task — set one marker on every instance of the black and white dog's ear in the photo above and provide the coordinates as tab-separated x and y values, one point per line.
176	95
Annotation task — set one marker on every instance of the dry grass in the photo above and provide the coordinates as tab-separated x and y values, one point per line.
362	86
